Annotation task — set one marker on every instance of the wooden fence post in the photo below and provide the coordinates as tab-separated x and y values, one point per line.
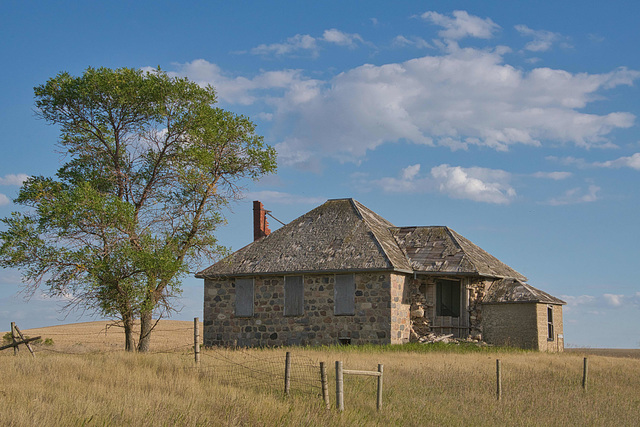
325	386
498	380
379	402
13	338
196	340
287	374
339	387
585	372
24	340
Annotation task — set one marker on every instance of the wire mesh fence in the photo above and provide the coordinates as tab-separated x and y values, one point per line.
244	369
236	367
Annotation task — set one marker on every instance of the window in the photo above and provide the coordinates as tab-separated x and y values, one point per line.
293	296
344	295
448	298
244	297
550	333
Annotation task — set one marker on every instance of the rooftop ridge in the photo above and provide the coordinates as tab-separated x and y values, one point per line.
465	255
388	245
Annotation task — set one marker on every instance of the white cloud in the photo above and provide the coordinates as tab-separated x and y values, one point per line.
462	25
284	198
613	300
242	90
576	303
407	182
461	98
604	301
478	184
414	41
341	38
14	179
410	172
542	40
573	301
4	200
632	162
465	97
622	162
299	42
556	176
576	195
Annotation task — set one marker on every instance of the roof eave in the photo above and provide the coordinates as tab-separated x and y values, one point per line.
559	302
294	273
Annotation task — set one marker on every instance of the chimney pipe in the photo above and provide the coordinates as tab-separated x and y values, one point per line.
260	224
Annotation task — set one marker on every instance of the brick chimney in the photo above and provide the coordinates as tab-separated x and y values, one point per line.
260	224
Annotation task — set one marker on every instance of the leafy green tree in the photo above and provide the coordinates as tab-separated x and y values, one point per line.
150	164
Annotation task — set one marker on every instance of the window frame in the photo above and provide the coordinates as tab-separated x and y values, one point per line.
244	294
290	293
348	293
551	336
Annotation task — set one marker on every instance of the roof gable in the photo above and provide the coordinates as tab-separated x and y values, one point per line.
339	235
514	291
439	249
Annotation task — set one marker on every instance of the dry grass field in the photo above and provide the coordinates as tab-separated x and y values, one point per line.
81	381
106	336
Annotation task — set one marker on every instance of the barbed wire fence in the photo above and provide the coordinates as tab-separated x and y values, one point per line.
235	366
269	373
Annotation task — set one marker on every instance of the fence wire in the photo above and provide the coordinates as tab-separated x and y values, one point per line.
243	369
233	367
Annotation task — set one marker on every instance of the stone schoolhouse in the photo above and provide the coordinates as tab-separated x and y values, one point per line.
343	274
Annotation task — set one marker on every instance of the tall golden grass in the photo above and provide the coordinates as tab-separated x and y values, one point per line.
435	388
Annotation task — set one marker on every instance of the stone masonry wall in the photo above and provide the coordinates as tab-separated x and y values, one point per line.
422	293
317	326
557	344
400	308
512	324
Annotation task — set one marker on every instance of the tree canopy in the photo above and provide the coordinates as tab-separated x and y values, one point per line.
150	163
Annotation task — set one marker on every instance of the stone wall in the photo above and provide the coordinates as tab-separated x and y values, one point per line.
422	292
512	324
544	344
522	325
400	308
379	297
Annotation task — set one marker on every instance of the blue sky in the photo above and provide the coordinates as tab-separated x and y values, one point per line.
514	123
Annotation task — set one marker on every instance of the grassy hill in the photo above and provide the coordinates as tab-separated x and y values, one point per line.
107	336
92	382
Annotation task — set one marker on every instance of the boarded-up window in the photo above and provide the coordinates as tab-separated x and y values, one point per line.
448	298
244	297
344	295
293	296
550	332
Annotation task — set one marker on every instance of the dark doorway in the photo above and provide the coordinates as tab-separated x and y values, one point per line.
448	298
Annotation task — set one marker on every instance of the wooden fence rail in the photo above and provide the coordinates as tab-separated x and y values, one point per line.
340	372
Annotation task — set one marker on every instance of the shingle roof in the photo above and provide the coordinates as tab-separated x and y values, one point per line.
339	235
344	235
514	291
442	250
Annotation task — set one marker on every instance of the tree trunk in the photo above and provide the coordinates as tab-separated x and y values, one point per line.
146	326
129	342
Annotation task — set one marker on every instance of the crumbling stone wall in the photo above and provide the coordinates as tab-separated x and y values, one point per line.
423	306
380	300
478	288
